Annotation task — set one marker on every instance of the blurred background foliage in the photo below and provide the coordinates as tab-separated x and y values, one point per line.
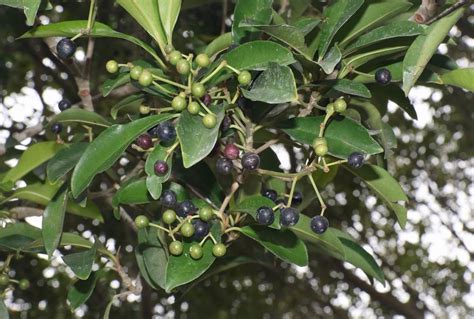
428	266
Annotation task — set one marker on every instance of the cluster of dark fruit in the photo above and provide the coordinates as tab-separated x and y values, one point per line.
224	165
188	221
6	281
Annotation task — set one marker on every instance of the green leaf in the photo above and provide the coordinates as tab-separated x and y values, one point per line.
352	88
298	7
111	84
275	85
3	310
80	292
463	78
250	205
34	156
81	262
344	136
19	235
328	239
394	30
169	12
335	16
53	220
395	94
77	115
159	153
425	45
219	44
64	161
154	256
257	55
107	148
154	186
132	193
195	139
282	243
129	104
385	187
30	9
258	11
72	28
184	269
372	14
306	24
143	243
330	61
43	193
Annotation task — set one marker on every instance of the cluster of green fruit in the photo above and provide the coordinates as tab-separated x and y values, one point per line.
6	281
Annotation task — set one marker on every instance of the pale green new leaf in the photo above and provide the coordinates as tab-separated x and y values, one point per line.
169	12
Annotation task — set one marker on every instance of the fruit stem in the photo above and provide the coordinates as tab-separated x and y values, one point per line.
171	233
171	150
322	127
212	238
239	129
216	70
321	202
205	107
292	191
159	86
159	227
204	239
232	69
179	85
230	229
236	97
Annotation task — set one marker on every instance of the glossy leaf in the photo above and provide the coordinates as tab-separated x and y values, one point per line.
107	148
132	193
275	85
424	47
385	187
30	9
258	11
195	139
331	60
53	220
129	104
282	243
77	115
154	186
250	205
351	88
3	310
336	15
81	291
395	94
184	269
64	161
257	55
219	44
154	257
344	136
33	157
111	84
169	12
81	262
463	78
19	235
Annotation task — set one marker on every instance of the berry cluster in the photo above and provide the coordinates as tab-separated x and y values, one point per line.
225	165
6	281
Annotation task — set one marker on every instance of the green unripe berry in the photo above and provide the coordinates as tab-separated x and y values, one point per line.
202	60
135	72
141	221
187	229
209	120
206	213
176	248
198	90
143	109
4	280
145	78
195	251
244	78
112	66
194	107
168	49
174	57
219	250
169	216
340	105
321	150
178	103
24	284
330	108
319	141
183	67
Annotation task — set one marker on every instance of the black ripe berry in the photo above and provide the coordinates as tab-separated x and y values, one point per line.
186	208
64	104
66	48
226	123
224	166
144	141
56	128
319	224
265	216
206	99
270	194
250	161
201	229
166	132
231	151
289	216
297	198
161	168
383	76
356	160
168	198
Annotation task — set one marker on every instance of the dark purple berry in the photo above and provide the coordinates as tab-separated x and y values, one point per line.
289	216
226	123
243	103
201	229
265	216
280	201
356	160
144	141
168	198
319	224
66	48
383	76
64	104
56	128
166	132
161	168
270	194
250	161
297	198
231	151
186	208
206	99
224	166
